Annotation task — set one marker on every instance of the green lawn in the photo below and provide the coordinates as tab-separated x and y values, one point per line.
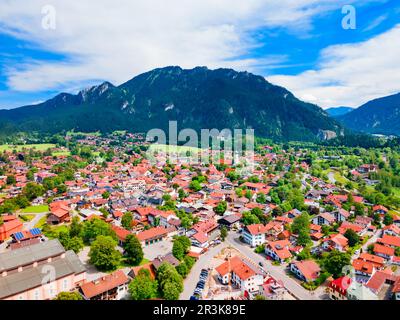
41	222
396	191
124	264
38	147
36	209
78	133
173	149
61	153
55	231
338	177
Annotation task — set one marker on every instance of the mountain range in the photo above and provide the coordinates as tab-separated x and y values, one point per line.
379	116
198	98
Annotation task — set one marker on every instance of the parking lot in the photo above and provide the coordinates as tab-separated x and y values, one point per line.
154	250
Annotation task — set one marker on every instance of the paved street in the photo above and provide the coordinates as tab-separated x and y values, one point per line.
31	224
202	263
277	272
331	177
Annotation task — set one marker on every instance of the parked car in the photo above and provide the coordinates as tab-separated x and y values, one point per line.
198	291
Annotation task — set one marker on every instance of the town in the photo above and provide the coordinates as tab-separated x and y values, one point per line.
87	216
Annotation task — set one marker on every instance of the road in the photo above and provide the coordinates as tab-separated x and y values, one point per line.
277	272
364	248
202	263
31	224
331	177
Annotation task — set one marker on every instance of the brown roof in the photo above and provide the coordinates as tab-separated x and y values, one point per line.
104	284
157	262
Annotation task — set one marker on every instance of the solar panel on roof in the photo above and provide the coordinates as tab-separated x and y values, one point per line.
35	231
18	236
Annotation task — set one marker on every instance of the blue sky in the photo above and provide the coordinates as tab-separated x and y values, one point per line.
297	44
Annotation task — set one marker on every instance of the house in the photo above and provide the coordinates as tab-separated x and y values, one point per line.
254	234
358	291
121	234
366	265
323	218
367	168
380	280
293	213
26	235
230	221
10	227
335	242
240	274
153	235
379	209
383	251
113	286
164	219
391	230
306	270
390	241
23	272
203	232
278	250
271	289
341	215
396	289
359	229
169	258
59	212
337	288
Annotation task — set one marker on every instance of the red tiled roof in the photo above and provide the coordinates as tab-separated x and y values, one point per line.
390	241
378	279
152	233
309	268
341	284
383	250
237	266
255	229
103	284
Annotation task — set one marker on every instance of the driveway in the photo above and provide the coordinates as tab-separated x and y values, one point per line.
31	224
277	272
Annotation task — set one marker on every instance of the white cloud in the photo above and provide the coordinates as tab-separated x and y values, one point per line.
376	22
350	74
117	39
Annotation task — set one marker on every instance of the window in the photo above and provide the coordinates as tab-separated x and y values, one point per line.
65	284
